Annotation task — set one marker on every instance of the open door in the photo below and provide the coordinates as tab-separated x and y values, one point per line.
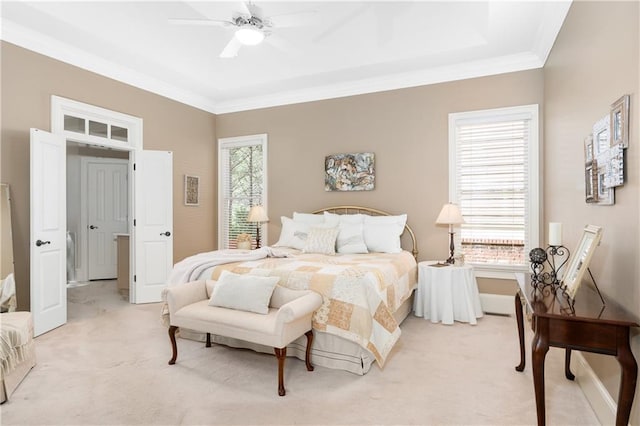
153	225
48	226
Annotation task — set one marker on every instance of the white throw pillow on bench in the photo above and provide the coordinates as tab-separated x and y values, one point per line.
250	293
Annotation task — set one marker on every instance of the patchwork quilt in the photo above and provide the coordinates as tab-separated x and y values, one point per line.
360	292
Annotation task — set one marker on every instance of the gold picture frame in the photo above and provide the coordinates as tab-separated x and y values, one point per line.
580	259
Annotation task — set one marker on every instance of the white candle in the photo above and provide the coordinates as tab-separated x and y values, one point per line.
555	234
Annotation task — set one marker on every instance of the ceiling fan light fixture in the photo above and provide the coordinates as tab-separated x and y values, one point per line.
249	35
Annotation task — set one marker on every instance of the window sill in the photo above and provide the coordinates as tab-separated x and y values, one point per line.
502	272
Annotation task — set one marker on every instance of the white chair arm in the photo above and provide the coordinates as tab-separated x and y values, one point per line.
182	295
299	307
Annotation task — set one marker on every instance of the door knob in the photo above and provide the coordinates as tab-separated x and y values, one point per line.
41	243
93	227
167	234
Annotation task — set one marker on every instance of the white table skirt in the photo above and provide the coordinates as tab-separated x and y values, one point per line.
447	294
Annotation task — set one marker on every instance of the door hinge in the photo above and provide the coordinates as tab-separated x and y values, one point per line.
134	222
134	167
134	278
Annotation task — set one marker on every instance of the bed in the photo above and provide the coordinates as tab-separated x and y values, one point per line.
365	295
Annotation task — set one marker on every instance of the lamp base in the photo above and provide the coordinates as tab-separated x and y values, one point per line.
451	260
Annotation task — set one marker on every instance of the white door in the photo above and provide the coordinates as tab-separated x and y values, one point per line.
48	225
153	225
107	208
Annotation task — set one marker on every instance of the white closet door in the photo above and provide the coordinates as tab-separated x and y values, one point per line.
107	215
153	230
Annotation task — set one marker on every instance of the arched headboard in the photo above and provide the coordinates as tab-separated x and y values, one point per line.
371	212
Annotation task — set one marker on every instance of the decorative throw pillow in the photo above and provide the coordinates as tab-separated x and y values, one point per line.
321	240
243	292
293	234
382	233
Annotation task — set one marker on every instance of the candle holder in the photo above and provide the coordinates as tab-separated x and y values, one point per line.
546	266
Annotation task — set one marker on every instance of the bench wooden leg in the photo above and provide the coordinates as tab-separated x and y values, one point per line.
174	347
307	357
281	354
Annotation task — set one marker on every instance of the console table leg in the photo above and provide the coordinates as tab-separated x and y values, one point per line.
540	347
567	365
629	369
520	319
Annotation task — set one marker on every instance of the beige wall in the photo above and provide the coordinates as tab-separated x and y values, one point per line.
594	62
406	129
29	80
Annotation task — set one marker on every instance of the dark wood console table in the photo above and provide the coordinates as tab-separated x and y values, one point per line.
591	327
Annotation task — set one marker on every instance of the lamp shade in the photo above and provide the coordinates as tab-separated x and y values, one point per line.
249	35
257	214
450	215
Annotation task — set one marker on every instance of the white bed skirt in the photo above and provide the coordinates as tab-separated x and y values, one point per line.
327	350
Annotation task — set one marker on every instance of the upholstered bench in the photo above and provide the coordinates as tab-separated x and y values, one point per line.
17	350
245	307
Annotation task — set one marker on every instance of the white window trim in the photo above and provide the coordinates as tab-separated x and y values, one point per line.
535	204
62	106
236	142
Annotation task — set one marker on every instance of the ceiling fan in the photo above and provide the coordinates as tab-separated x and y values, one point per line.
250	24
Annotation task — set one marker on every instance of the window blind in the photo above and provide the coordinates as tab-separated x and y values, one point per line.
242	186
492	169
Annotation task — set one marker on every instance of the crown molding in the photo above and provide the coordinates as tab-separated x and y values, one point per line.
461	71
48	46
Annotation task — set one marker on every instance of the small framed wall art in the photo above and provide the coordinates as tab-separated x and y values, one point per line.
191	190
605	195
620	122
349	172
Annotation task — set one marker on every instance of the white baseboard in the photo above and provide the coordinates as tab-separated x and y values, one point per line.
497	304
602	403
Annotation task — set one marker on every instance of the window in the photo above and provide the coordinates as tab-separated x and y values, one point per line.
493	163
242	178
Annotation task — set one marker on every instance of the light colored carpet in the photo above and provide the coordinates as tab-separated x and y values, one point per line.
108	365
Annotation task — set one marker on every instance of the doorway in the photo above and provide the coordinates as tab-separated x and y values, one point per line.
97	211
150	205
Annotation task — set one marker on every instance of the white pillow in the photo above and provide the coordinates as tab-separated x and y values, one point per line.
333	219
293	234
321	240
351	232
243	292
382	233
310	218
351	238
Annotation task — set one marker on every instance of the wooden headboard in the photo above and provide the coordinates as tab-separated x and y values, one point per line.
371	212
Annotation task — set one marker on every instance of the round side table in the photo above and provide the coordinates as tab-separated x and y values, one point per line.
447	293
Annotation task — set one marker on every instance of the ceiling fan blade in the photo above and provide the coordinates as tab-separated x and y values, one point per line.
231	49
245	8
254	9
204	22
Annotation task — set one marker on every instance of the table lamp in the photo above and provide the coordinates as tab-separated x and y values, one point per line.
257	215
450	215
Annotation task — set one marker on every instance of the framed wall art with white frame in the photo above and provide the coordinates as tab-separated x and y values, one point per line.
191	190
